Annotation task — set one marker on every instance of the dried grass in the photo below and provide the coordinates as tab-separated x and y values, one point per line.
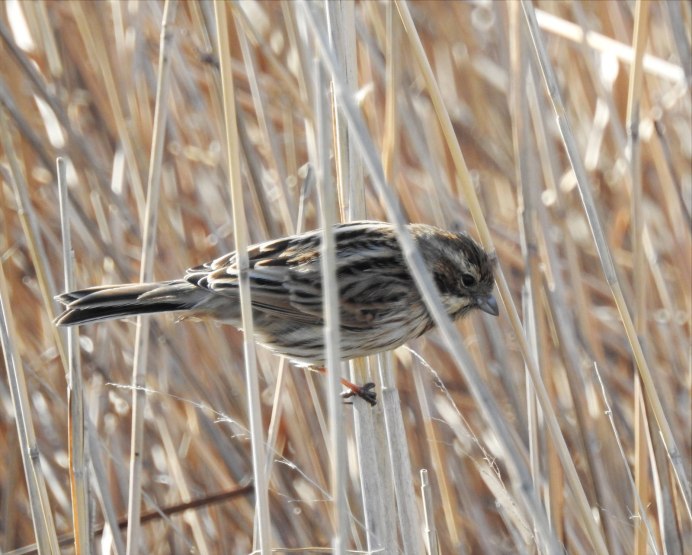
543	436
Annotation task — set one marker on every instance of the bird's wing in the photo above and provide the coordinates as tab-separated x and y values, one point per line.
366	291
286	275
268	272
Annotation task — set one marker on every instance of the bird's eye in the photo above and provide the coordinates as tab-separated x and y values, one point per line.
468	280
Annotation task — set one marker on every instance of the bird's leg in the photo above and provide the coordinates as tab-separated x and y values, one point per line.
366	392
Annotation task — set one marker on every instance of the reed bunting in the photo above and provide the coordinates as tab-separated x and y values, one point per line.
380	306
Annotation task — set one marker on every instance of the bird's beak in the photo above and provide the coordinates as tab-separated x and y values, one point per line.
488	304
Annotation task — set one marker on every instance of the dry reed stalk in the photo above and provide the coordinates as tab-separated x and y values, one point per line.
432	544
262	540
149	223
639	272
398	449
376	485
327	203
41	512
533	320
75	388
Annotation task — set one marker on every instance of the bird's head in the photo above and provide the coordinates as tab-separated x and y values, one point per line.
462	270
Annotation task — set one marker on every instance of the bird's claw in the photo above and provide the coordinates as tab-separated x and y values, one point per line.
365	392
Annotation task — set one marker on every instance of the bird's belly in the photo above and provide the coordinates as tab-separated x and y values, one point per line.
305	342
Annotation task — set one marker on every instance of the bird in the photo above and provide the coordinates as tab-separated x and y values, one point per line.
380	307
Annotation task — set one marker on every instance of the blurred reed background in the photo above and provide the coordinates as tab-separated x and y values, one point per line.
78	80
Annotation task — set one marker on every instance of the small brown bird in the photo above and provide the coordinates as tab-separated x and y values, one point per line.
380	306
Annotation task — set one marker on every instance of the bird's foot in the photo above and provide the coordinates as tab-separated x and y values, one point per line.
366	392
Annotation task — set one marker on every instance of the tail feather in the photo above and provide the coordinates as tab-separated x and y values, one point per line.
109	302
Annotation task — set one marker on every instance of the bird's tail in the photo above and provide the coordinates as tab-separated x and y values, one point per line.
108	302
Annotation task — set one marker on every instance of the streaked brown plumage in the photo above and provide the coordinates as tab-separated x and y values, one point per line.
380	305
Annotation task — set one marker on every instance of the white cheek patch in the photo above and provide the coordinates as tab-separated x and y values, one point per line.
453	303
